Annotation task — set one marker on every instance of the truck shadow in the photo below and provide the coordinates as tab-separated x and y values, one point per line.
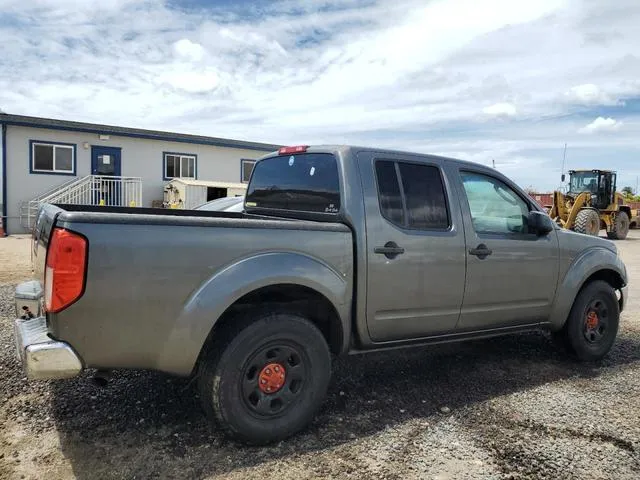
148	425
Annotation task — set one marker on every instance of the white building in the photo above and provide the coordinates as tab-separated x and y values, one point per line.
71	162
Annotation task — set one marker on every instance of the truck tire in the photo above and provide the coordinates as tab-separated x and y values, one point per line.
620	227
264	379
592	326
587	222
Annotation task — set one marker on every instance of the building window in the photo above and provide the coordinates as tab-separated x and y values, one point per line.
179	165
54	158
246	169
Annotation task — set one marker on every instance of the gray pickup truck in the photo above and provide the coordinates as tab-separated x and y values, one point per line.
338	250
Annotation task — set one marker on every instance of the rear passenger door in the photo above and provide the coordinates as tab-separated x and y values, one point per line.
415	248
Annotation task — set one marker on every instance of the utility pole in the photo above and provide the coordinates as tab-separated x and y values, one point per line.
493	162
562	176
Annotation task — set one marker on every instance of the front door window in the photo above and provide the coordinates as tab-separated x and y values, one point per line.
495	208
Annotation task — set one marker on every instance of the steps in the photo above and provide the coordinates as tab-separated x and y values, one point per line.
90	190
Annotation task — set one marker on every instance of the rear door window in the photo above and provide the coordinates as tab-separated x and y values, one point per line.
415	199
425	198
304	182
389	194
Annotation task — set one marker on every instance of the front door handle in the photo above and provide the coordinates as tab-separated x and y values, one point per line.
390	250
481	251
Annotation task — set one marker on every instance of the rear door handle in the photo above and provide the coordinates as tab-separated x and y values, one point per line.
390	250
481	251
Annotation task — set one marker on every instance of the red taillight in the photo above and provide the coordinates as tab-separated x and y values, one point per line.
64	274
296	149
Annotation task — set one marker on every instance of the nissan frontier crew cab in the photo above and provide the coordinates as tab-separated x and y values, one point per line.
338	250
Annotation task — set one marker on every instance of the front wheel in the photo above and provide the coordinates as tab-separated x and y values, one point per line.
587	222
266	378
592	326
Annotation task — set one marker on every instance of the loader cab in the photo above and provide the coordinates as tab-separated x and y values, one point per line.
601	184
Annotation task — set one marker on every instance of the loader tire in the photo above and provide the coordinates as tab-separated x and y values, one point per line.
620	227
588	222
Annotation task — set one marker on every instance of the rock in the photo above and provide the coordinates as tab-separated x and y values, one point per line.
445	409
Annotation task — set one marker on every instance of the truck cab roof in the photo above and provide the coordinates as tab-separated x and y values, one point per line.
354	149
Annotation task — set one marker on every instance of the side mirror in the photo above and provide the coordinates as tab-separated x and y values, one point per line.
562	177
539	223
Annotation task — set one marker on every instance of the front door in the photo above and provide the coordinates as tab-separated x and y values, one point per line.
106	163
415	248
511	273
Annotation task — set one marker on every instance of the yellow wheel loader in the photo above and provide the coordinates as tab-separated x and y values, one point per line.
592	204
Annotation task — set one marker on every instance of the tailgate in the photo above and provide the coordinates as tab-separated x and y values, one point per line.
45	221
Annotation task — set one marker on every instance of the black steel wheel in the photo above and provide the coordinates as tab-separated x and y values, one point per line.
273	379
592	326
596	321
264	378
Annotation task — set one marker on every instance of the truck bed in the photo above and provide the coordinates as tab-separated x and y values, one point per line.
168	216
144	280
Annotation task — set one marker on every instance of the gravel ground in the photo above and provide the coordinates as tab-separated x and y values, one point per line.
503	408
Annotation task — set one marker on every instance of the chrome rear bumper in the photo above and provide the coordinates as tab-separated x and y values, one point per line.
42	357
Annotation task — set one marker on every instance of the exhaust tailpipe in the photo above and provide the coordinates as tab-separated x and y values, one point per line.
102	377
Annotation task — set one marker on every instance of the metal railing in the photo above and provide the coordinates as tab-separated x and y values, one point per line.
90	190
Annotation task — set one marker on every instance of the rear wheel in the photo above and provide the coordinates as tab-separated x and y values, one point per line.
588	222
592	326
266	379
620	227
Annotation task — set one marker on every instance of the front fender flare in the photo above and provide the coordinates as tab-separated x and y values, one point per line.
207	304
585	265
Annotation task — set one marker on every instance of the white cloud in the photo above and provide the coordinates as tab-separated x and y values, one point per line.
590	94
189	50
500	110
193	82
601	124
414	75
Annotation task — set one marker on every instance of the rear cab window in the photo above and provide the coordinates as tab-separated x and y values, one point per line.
305	182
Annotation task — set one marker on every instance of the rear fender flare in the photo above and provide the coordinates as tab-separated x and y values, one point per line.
206	305
586	264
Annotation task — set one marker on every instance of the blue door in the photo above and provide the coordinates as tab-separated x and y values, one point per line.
105	163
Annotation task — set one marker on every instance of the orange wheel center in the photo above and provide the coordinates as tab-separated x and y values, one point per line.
271	378
592	320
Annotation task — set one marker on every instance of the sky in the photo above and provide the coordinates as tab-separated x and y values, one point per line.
489	81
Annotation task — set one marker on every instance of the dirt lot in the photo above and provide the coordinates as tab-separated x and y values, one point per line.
502	408
15	259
